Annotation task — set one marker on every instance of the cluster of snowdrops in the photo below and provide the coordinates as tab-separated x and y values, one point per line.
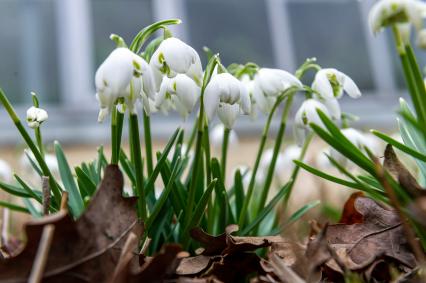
165	74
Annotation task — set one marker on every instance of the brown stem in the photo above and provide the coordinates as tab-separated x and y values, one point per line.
46	194
42	254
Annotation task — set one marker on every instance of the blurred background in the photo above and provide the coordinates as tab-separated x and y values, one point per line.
54	47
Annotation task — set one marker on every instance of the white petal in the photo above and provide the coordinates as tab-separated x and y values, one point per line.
228	114
333	107
211	100
322	85
350	87
245	99
187	91
178	55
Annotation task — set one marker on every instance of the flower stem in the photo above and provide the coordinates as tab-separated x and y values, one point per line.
39	140
263	138
148	142
277	147
44	168
137	158
411	74
225	143
296	169
114	156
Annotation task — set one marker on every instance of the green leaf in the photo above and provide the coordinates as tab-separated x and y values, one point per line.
329	177
15	190
160	163
299	213
86	185
34	212
414	153
239	193
14	207
75	200
201	206
162	200
267	209
28	189
33	163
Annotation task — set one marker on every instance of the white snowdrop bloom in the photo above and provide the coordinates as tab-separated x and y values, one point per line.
421	39
321	159
180	93
36	116
388	12
286	164
5	171
50	160
266	160
355	137
126	75
173	57
226	95
249	85
216	136
330	83
269	84
306	114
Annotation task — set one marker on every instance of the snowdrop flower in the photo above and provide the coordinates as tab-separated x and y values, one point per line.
216	136
388	12
5	171
179	92
269	84
249	85
306	114
226	95
126	75
355	137
36	116
286	164
173	57
330	83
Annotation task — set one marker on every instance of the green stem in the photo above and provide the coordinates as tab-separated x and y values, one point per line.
39	140
44	168
277	147
148	142
191	138
137	157
410	77
263	138
225	143
296	169
114	156
206	148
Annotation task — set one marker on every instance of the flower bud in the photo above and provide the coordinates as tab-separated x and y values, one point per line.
36	116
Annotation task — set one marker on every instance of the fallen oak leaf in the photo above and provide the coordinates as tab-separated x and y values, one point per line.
380	233
226	243
85	250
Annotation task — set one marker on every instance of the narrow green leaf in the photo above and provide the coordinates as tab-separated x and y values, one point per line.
239	193
28	189
33	163
414	153
74	198
267	209
15	190
31	208
162	200
160	163
86	185
201	206
14	207
299	213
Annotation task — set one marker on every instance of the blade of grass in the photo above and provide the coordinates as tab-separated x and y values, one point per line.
14	207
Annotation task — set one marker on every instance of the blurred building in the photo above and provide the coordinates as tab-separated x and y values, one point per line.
53	47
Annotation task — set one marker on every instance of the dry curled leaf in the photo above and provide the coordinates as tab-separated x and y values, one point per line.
379	234
85	250
401	173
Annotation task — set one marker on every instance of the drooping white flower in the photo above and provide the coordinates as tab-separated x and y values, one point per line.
269	84
388	12
330	83
5	171
286	164
36	116
355	137
180	93
216	136
226	95
126	75
249	85
307	114
173	57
